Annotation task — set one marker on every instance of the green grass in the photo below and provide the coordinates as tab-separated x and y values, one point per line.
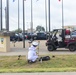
61	63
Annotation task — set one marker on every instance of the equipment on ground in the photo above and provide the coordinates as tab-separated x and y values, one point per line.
19	57
61	38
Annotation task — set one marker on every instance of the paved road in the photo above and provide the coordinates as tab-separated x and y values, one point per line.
50	73
22	51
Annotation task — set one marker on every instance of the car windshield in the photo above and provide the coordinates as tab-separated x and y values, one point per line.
40	34
73	33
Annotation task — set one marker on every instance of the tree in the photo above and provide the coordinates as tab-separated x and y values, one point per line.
40	28
18	30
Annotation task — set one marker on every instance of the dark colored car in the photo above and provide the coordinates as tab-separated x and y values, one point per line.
25	35
30	36
41	36
14	37
37	36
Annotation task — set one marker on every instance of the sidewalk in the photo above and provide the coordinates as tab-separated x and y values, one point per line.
24	51
21	51
45	73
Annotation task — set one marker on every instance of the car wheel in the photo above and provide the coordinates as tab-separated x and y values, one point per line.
50	48
72	48
55	49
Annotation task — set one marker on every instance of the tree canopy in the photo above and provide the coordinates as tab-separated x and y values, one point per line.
18	30
40	28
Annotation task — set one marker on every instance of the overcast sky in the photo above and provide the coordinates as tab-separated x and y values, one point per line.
69	11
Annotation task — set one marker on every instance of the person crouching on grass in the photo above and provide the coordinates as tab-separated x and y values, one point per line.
32	55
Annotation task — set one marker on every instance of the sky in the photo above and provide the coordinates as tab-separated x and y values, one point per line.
69	13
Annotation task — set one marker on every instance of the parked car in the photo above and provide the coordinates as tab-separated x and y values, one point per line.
30	36
73	34
37	36
22	36
41	36
25	35
14	37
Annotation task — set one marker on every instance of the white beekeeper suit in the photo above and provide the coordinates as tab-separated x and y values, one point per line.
32	56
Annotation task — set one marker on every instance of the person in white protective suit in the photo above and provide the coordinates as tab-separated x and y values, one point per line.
32	56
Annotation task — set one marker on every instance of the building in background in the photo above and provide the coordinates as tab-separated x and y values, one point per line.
70	27
29	30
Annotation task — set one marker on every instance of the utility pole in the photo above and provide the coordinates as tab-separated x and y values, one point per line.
46	14
62	16
23	24
31	20
18	19
0	15
49	13
7	15
18	16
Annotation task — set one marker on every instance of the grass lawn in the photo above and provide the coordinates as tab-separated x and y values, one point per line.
60	63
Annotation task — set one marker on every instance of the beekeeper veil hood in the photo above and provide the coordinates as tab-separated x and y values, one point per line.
35	43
